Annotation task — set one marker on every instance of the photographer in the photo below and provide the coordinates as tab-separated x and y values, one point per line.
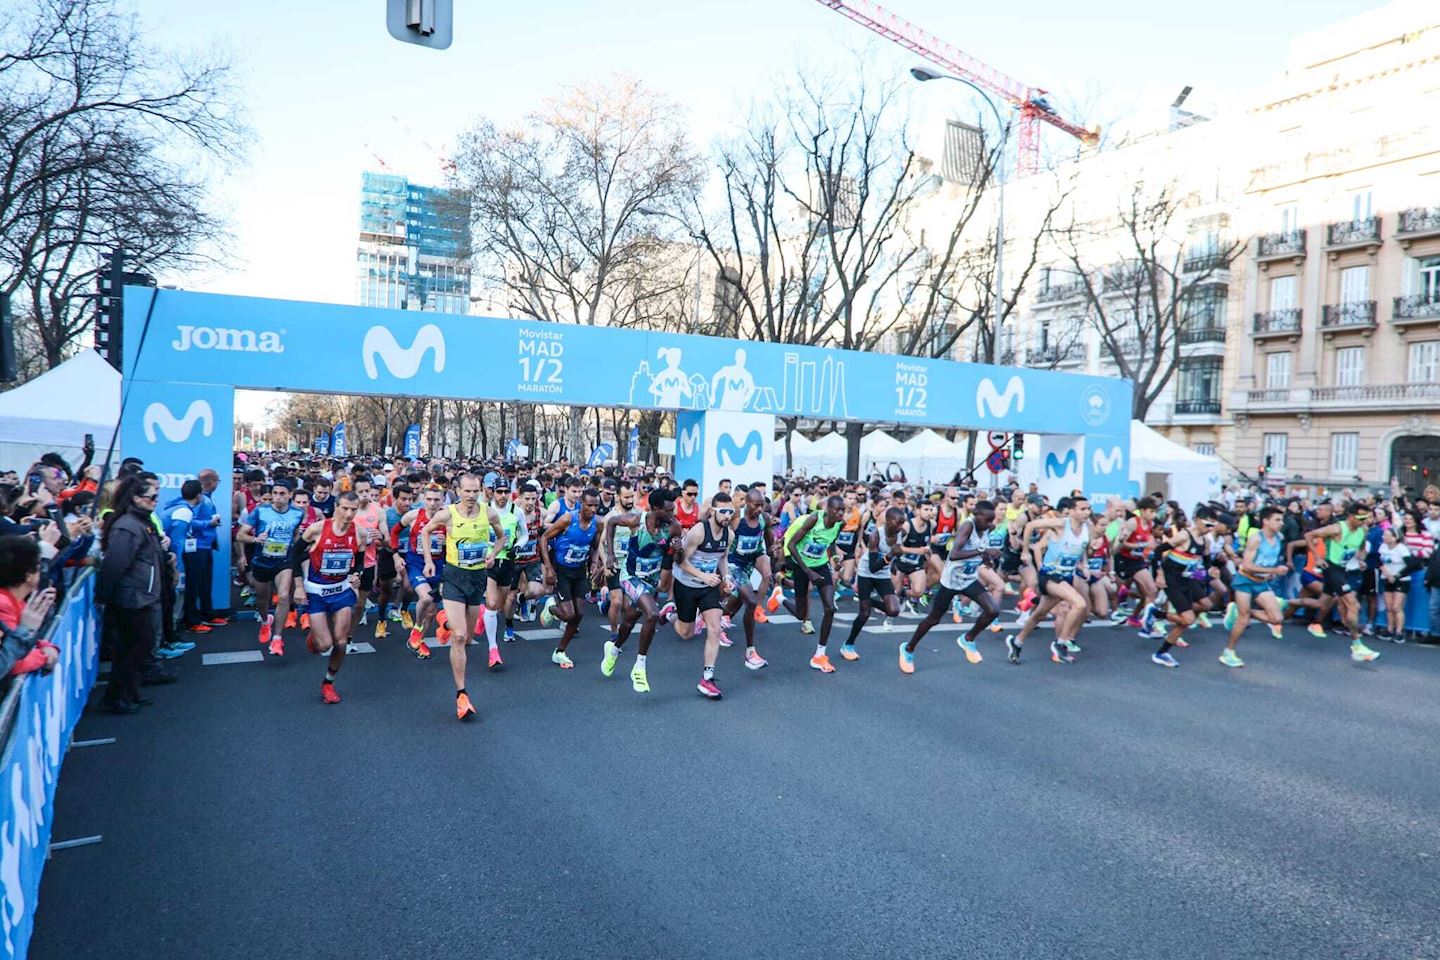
23	608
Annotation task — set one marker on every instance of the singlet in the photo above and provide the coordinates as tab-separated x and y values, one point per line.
888	550
1343	552
849	530
814	547
326	506
1267	554
331	559
392	520
706	557
512	522
749	541
529	551
912	536
945	528
369	519
572	548
437	538
1144	534
1062	553
645	552
620	538
279	528
1186	558
468	539
686	520
959	574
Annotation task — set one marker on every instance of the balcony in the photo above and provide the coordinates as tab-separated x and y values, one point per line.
1208	261
1415	309
1352	235
1207	408
1377	393
1059	292
1202	334
1354	315
1278	323
1382	397
1288	245
1054	353
1121	279
1416	224
1270	396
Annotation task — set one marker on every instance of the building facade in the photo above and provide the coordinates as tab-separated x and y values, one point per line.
413	248
1338	375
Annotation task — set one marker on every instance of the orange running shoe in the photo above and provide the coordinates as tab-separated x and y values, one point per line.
495	662
418	646
442	619
310	643
444	635
464	709
277	646
328	694
265	629
760	615
290	620
776	595
822	664
304	621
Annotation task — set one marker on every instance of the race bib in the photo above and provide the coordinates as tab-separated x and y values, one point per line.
275	548
575	555
749	543
1097	564
846	538
335	563
705	565
813	550
437	543
190	545
469	553
526	552
647	566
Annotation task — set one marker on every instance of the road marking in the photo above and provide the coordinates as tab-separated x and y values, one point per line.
359	646
233	656
781	619
539	634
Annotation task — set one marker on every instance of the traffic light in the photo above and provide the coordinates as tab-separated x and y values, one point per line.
1018	443
110	283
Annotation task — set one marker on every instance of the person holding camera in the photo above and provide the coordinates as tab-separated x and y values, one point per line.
23	609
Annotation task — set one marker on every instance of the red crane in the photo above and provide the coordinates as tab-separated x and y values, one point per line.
1029	101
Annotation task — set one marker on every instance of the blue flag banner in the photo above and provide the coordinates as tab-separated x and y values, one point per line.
512	448
48	706
598	456
412	441
632	449
322	443
338	446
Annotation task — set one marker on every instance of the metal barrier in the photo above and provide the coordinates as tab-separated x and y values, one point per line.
36	720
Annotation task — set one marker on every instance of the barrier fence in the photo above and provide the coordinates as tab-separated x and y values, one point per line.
37	717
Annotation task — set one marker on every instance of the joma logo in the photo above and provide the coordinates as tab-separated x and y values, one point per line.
223	338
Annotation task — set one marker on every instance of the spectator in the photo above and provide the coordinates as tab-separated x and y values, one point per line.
207	541
131	581
182	526
23	608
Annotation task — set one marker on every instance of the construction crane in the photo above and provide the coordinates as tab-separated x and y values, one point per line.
1033	107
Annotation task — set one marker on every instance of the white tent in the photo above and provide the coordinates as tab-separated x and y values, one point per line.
1182	474
928	457
54	411
878	450
800	447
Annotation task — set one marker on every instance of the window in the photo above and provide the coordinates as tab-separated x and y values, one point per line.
1425	362
1200	380
1344	453
1349	366
1289	218
1427	279
1360	205
1354	284
1275	447
1277	371
1206	449
1282	293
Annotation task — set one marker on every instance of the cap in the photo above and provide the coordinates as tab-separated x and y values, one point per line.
1036	499
492	479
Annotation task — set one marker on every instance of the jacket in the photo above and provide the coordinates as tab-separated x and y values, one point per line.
132	570
1432	576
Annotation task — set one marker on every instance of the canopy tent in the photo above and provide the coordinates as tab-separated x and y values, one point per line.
1158	464
800	447
929	458
54	411
878	451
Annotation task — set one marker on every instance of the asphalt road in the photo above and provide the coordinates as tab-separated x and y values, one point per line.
1106	809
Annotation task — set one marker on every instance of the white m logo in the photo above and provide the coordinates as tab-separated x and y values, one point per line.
690	440
158	417
402	362
987	397
1104	462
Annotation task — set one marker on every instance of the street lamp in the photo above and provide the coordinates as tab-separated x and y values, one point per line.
923	74
699	240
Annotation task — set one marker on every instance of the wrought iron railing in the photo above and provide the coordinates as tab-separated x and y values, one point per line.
1420	220
1417	306
1279	321
1354	313
1210	407
1202	334
1352	232
1284	244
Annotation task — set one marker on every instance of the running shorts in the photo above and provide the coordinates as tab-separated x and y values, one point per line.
415	572
1127	567
322	603
460	585
385	564
1334	581
798	573
266	572
1243	584
875	589
636	588
571	583
690	600
1183	590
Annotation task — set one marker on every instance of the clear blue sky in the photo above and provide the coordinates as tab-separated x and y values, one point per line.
322	80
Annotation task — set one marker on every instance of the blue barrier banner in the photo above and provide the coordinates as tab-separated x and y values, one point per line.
49	706
199	338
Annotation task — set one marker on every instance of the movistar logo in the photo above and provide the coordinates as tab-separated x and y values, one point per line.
1058	467
157	416
223	338
996	402
727	449
689	441
402	362
1107	462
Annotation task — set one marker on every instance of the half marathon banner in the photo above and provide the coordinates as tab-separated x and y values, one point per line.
47	708
412	441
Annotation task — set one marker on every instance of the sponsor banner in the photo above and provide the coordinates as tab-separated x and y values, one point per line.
339	443
598	456
48	706
272	344
720	445
412	441
632	448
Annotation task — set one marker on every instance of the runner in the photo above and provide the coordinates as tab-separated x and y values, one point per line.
426	586
1060	547
960	577
809	546
910	566
1342	544
615	556
847	543
567	551
651	533
368	520
272	527
390	574
702	577
1183	568
878	549
749	559
468	552
332	576
1260	565
507	577
528	581
1135	546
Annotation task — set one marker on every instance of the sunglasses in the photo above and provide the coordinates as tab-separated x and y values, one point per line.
725	512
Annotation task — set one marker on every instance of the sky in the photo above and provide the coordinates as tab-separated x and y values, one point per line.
328	93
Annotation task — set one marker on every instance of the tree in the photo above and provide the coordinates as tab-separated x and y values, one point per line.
1140	304
565	205
106	144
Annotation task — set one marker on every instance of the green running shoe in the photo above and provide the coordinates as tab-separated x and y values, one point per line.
1230	659
1277	631
1070	645
1203	620
1361	653
638	680
612	654
1232	613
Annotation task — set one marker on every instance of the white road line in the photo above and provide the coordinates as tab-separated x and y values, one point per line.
233	656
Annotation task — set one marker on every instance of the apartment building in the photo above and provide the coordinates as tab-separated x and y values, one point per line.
1337	378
